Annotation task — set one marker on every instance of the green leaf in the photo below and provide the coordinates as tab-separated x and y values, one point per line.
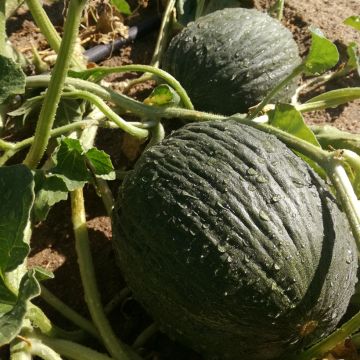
101	164
354	58
42	274
288	119
17	197
12	321
323	54
163	95
50	189
75	167
69	111
12	79
70	162
353	21
122	6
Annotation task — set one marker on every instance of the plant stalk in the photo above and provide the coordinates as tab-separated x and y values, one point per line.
67	312
72	350
346	196
92	296
145	335
125	102
332	340
107	111
200	5
103	71
163	34
47	29
276	89
3	27
56	83
37	348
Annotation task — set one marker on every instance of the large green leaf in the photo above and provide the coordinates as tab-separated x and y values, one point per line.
12	79
17	196
11	322
323	53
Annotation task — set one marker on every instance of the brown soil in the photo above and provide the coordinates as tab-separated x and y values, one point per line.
53	242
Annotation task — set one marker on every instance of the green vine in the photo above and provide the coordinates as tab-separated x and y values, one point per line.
53	94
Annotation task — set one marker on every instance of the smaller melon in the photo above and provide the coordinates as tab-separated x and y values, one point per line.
230	59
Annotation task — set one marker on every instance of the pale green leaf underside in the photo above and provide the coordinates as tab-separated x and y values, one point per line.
12	79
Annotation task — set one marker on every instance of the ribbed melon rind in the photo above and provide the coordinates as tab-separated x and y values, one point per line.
230	59
233	244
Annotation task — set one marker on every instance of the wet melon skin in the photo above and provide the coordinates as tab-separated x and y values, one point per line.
233	244
230	59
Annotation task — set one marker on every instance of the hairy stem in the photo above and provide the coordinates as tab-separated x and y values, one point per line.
125	102
163	34
103	71
72	350
18	351
332	340
12	148
117	300
67	312
145	335
279	9
276	89
53	94
41	321
346	196
47	28
200	5
3	28
107	111
92	296
37	348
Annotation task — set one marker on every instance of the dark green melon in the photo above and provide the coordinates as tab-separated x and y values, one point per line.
229	60
233	244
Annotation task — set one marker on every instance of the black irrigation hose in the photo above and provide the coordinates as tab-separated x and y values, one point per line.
103	51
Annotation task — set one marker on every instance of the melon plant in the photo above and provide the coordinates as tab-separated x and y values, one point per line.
233	244
230	59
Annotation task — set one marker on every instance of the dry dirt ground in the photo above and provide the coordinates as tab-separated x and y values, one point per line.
53	243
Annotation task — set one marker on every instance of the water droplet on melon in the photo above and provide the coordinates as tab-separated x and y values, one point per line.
263	215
